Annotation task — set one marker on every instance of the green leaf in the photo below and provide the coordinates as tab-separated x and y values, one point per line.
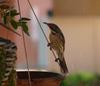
12	13
20	23
24	27
5	19
14	23
24	19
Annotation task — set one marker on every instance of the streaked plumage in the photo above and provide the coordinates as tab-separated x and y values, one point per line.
57	42
9	49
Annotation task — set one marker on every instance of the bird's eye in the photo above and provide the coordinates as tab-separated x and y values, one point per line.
53	32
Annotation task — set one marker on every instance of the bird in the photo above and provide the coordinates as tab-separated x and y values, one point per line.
57	43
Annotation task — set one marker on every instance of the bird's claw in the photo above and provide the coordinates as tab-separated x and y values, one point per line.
56	60
49	45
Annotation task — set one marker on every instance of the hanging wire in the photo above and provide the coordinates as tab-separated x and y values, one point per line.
41	28
29	77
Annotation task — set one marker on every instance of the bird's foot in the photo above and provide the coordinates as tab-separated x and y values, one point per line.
57	59
49	45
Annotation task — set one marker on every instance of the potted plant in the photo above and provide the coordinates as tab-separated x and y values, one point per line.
7	47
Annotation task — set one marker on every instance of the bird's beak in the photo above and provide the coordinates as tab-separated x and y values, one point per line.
47	24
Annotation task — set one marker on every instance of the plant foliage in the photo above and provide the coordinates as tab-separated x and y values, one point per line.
9	21
81	79
2	64
8	16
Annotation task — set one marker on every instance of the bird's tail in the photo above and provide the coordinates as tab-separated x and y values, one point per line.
62	64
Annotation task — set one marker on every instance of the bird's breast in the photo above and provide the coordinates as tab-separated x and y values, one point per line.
55	41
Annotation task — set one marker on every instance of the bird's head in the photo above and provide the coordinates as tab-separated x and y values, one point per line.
53	27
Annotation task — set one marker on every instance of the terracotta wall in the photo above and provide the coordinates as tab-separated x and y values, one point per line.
31	44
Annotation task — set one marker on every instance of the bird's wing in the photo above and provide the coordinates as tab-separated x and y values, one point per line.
62	39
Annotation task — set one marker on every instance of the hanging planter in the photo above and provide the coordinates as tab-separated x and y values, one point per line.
7	47
7	62
39	78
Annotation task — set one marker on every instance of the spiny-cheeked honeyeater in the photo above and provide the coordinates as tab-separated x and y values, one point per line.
57	43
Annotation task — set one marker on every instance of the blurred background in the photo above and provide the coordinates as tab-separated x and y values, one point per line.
80	22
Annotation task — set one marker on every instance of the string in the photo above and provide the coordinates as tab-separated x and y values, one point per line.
41	28
29	77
